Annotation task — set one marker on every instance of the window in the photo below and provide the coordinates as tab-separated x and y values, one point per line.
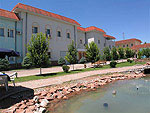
35	30
58	33
123	45
68	35
49	54
80	41
11	59
131	44
48	33
104	44
110	46
1	31
127	45
98	41
10	33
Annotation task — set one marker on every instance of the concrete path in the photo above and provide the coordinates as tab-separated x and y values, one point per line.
36	71
58	80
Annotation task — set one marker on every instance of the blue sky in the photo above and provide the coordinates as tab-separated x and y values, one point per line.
113	16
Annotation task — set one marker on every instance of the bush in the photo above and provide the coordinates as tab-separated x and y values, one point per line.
61	61
4	64
65	68
27	63
82	60
128	60
113	64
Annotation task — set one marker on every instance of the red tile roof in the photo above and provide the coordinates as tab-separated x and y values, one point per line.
90	29
8	14
109	36
127	40
42	12
137	47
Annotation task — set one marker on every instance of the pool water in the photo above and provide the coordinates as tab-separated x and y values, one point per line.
127	100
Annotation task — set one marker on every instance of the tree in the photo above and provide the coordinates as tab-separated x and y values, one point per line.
146	52
140	54
92	52
129	53
114	54
27	62
106	54
38	49
71	55
4	64
121	52
61	61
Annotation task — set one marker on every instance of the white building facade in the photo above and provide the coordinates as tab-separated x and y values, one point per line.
62	31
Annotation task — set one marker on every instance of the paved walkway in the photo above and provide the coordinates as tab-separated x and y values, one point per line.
65	78
36	71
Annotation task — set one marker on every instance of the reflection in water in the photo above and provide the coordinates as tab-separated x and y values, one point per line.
127	100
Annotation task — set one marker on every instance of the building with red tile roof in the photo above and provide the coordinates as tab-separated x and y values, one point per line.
60	29
91	28
128	42
108	36
43	12
138	47
8	14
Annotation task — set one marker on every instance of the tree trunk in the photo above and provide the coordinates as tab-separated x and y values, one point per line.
73	66
40	71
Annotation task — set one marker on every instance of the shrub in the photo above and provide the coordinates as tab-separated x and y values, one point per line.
65	68
27	63
61	61
4	64
113	64
128	60
82	60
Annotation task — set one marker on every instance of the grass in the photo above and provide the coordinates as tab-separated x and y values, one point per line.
45	76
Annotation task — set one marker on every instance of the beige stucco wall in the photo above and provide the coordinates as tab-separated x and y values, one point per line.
128	43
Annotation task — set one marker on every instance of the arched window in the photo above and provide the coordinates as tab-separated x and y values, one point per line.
35	28
48	30
81	41
59	32
68	33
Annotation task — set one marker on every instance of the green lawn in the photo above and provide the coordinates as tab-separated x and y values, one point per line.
44	76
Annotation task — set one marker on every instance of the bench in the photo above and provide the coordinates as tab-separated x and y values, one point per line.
99	63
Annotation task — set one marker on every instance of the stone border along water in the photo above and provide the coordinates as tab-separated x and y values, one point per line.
43	98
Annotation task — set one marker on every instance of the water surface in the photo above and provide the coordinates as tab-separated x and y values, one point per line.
127	100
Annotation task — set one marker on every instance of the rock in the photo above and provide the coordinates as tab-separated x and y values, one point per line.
42	110
65	98
31	108
20	111
70	90
114	92
37	105
29	111
76	89
23	106
49	98
44	103
36	99
43	93
37	93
